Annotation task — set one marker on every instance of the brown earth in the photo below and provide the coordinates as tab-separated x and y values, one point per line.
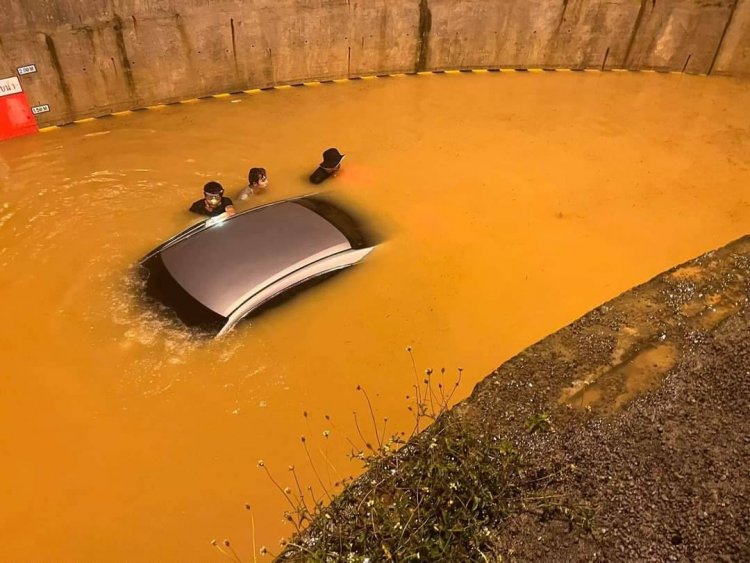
648	397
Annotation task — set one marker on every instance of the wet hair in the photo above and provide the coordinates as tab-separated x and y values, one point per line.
255	175
213	188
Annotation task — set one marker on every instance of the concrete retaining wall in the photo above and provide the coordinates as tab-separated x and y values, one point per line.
98	56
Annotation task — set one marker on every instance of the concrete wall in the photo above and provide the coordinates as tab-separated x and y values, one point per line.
734	55
98	56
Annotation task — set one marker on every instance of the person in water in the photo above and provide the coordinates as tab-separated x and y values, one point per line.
257	182
213	203
331	164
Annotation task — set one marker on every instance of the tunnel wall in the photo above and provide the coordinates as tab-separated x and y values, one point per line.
95	57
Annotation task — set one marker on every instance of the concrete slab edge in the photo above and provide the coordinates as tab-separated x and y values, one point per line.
313	83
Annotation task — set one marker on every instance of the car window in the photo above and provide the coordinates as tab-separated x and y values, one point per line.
342	220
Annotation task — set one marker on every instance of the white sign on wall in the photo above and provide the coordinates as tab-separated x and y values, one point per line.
36	110
28	69
10	86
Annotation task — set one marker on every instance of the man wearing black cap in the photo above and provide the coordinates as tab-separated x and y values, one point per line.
213	203
331	164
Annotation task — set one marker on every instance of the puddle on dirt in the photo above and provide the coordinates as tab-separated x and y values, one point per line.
626	339
688	273
614	388
706	312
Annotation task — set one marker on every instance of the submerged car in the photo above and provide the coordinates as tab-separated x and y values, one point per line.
217	272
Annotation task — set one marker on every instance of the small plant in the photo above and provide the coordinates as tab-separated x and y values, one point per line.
436	494
433	500
539	423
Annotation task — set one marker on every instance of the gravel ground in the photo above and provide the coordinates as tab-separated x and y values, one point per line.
667	475
667	478
647	455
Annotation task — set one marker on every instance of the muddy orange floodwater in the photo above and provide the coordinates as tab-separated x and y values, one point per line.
511	203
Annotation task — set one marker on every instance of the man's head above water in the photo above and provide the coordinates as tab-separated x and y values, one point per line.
212	193
213	203
331	160
257	178
329	167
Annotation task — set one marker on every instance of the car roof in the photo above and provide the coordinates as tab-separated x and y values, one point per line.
222	266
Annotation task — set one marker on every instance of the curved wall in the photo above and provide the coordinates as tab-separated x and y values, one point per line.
100	56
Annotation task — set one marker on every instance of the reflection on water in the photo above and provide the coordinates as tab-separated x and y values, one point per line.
512	203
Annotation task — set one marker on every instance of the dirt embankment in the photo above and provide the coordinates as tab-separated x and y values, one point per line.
650	397
632	425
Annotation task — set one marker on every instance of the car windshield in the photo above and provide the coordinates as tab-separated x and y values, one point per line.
343	219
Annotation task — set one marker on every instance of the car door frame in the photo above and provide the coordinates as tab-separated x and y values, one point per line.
338	261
